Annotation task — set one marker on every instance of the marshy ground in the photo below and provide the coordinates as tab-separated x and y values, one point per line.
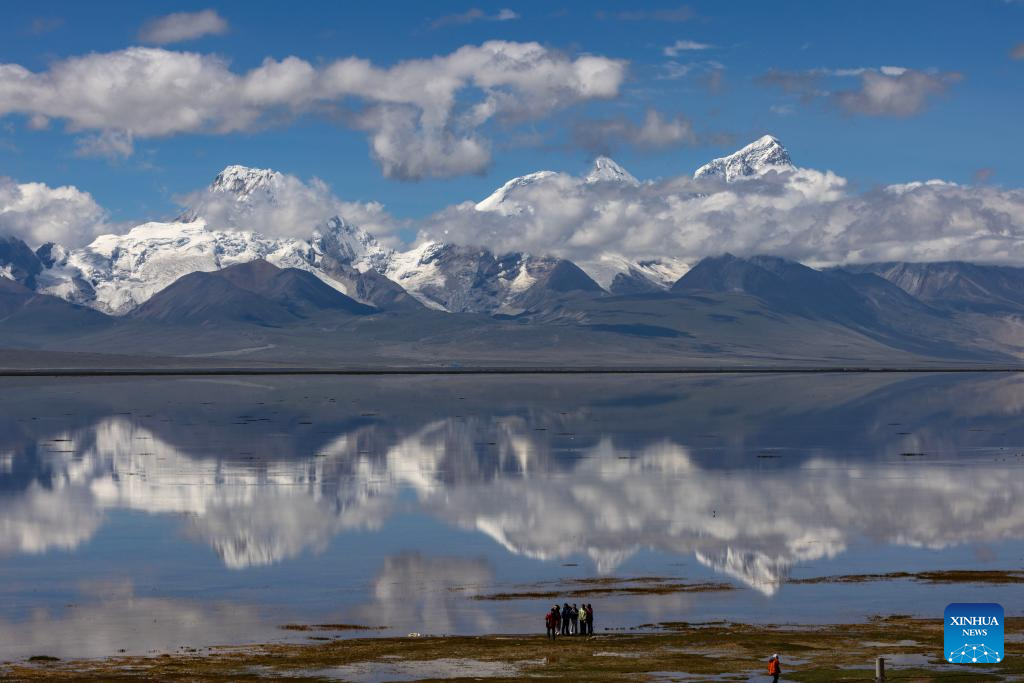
663	652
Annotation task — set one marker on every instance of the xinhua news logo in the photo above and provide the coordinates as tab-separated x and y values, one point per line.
974	633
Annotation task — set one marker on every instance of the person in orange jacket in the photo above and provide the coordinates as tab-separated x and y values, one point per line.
774	668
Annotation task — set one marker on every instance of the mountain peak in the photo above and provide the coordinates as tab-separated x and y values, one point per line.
765	141
243	181
498	200
762	155
17	261
606	169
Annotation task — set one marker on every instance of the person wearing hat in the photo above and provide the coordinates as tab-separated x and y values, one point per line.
774	668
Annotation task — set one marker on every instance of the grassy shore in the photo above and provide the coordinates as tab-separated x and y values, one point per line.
677	651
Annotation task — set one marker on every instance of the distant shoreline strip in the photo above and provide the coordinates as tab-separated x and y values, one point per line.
540	370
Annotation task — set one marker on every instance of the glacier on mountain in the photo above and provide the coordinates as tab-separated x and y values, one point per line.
759	157
459	279
116	273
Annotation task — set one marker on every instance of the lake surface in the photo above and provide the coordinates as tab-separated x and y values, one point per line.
146	515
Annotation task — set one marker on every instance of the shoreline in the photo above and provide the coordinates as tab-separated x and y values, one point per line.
497	370
671	651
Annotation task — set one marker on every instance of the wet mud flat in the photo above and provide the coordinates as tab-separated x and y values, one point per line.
602	587
933	577
664	652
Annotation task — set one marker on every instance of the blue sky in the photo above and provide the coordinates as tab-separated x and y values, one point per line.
966	122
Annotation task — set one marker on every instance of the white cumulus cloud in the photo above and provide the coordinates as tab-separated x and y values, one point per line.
38	213
423	117
804	214
288	207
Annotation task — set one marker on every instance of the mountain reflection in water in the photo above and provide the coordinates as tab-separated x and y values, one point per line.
751	476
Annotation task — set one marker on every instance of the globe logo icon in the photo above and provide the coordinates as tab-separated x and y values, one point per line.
974	654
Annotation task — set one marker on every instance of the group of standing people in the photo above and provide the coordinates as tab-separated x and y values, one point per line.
570	620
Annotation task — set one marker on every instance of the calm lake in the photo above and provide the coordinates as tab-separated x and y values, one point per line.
147	515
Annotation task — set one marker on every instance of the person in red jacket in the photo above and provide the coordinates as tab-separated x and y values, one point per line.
774	668
551	622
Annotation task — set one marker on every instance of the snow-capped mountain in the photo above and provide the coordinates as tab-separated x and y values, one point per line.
620	275
117	273
461	279
613	272
506	201
246	187
515	197
763	155
607	170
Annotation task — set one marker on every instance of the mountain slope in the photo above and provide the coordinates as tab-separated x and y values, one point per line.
27	313
18	262
461	279
863	302
955	284
255	292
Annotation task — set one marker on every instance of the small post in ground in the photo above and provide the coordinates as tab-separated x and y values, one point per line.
880	670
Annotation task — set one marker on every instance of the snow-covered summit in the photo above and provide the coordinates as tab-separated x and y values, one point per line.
608	170
501	200
243	181
247	187
763	155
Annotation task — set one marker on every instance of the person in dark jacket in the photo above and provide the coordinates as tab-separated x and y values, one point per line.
574	619
549	624
565	619
590	619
